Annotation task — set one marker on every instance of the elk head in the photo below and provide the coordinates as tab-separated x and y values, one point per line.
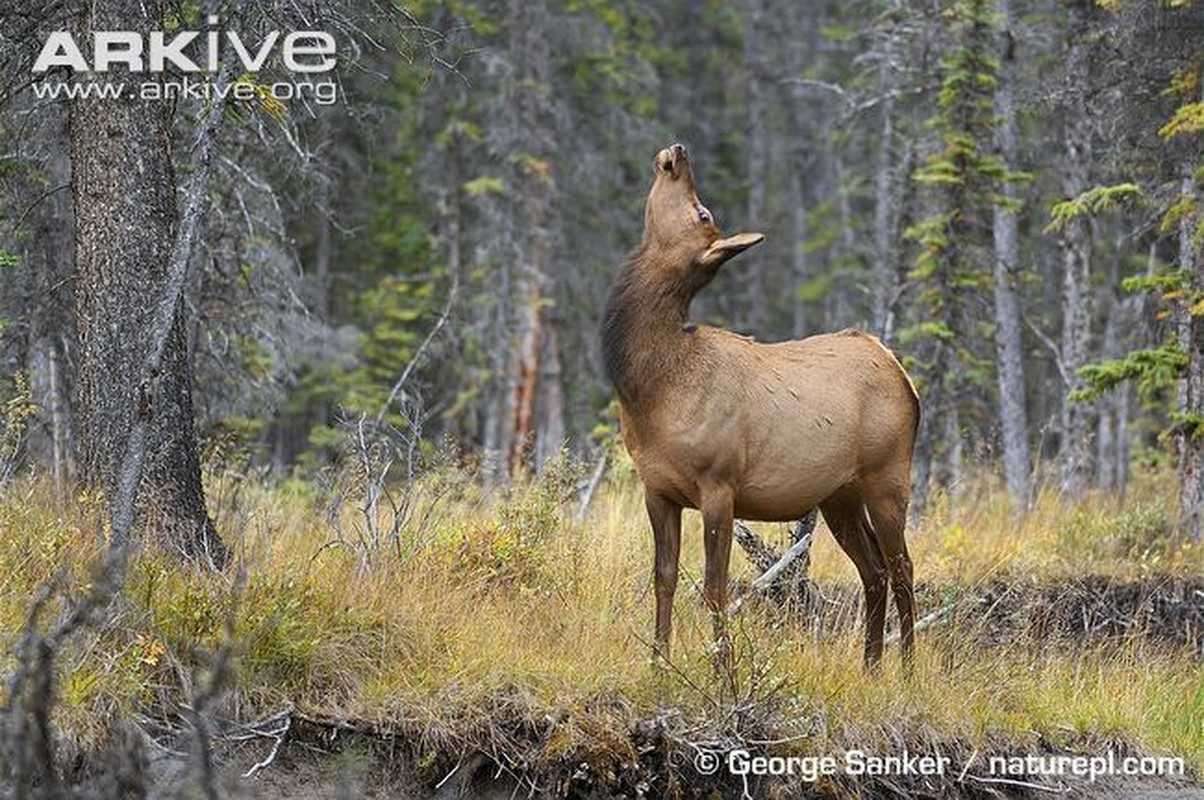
679	229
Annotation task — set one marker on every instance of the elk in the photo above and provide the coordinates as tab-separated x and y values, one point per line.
738	428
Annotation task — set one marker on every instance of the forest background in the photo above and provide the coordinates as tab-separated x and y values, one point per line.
1005	193
389	307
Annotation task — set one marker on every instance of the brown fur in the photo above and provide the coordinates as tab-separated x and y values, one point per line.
738	428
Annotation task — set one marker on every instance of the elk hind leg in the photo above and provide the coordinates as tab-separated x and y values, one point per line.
886	503
845	516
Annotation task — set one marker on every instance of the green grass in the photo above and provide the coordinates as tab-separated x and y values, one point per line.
493	596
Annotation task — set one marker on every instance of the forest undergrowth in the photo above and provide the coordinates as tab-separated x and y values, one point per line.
510	625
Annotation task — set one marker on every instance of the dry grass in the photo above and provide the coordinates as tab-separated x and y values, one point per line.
503	595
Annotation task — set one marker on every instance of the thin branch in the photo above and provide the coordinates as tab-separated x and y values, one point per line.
803	535
767	578
927	621
420	352
825	85
591	487
1054	350
280	725
37	201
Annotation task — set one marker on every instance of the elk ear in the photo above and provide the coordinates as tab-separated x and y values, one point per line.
723	249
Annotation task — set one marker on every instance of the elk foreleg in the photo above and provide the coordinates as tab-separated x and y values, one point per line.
717	518
666	530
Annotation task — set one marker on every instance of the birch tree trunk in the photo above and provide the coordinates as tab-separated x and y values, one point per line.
1009	346
123	190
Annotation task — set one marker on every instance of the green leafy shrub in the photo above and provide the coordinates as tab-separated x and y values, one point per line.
1140	532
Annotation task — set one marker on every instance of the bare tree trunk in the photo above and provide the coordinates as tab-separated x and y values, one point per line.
1124	441
1191	390
798	249
846	243
324	246
1075	446
908	200
451	213
954	453
525	383
793	95
935	404
50	440
756	149
550	426
499	411
1009	346
123	188
529	379
1108	407
886	211
1075	455
49	256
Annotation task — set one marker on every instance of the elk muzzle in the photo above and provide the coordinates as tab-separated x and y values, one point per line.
673	161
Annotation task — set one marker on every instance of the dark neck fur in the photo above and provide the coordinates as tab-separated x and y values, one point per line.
642	327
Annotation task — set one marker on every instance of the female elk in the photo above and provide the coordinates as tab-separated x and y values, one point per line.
738	428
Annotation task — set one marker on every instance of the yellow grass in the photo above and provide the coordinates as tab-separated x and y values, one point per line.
506	594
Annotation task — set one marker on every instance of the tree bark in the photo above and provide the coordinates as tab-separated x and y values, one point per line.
1009	345
799	51
935	402
1075	447
550	425
525	382
123	191
48	254
324	244
886	200
1191	391
799	269
756	151
1109	408
953	456
530	377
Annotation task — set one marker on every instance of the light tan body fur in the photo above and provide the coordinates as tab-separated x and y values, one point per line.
777	422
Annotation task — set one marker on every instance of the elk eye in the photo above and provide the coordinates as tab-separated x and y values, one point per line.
704	216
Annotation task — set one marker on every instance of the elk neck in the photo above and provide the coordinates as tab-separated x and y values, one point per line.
645	330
